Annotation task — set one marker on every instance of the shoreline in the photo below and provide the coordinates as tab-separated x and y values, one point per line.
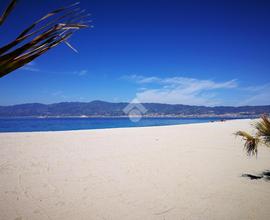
128	127
144	116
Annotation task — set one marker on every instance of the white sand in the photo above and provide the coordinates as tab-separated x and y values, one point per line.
171	172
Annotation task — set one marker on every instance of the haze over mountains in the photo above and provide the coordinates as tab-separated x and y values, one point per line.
101	108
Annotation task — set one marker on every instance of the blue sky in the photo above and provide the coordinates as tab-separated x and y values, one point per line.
187	52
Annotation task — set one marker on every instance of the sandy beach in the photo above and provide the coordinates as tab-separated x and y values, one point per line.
170	172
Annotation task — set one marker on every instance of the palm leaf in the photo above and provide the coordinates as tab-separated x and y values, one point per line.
37	41
263	129
251	143
23	35
7	11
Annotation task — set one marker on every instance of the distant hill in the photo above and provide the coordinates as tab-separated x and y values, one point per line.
100	108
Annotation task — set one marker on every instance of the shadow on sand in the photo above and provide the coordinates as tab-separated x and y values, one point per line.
263	175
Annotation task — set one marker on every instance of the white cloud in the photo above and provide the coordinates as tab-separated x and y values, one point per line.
180	90
81	72
32	67
258	95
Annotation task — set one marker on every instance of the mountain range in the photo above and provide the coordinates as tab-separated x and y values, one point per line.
101	108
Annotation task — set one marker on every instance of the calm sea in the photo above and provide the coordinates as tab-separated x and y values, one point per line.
64	124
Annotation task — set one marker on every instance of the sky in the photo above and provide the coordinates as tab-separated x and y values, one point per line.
178	52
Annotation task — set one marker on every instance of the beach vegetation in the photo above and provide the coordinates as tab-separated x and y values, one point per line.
49	31
261	136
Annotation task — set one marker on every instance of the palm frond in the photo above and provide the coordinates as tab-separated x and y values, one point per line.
33	42
7	11
263	129
251	143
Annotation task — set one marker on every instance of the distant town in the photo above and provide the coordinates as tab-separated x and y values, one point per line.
108	109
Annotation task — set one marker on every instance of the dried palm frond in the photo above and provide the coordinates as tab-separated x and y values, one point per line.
33	42
263	129
251	143
262	135
7	11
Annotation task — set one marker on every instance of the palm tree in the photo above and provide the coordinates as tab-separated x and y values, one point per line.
47	32
262	136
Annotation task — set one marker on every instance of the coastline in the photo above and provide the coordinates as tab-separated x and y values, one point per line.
230	116
189	171
138	127
73	124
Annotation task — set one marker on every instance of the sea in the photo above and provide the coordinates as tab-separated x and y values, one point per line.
65	124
